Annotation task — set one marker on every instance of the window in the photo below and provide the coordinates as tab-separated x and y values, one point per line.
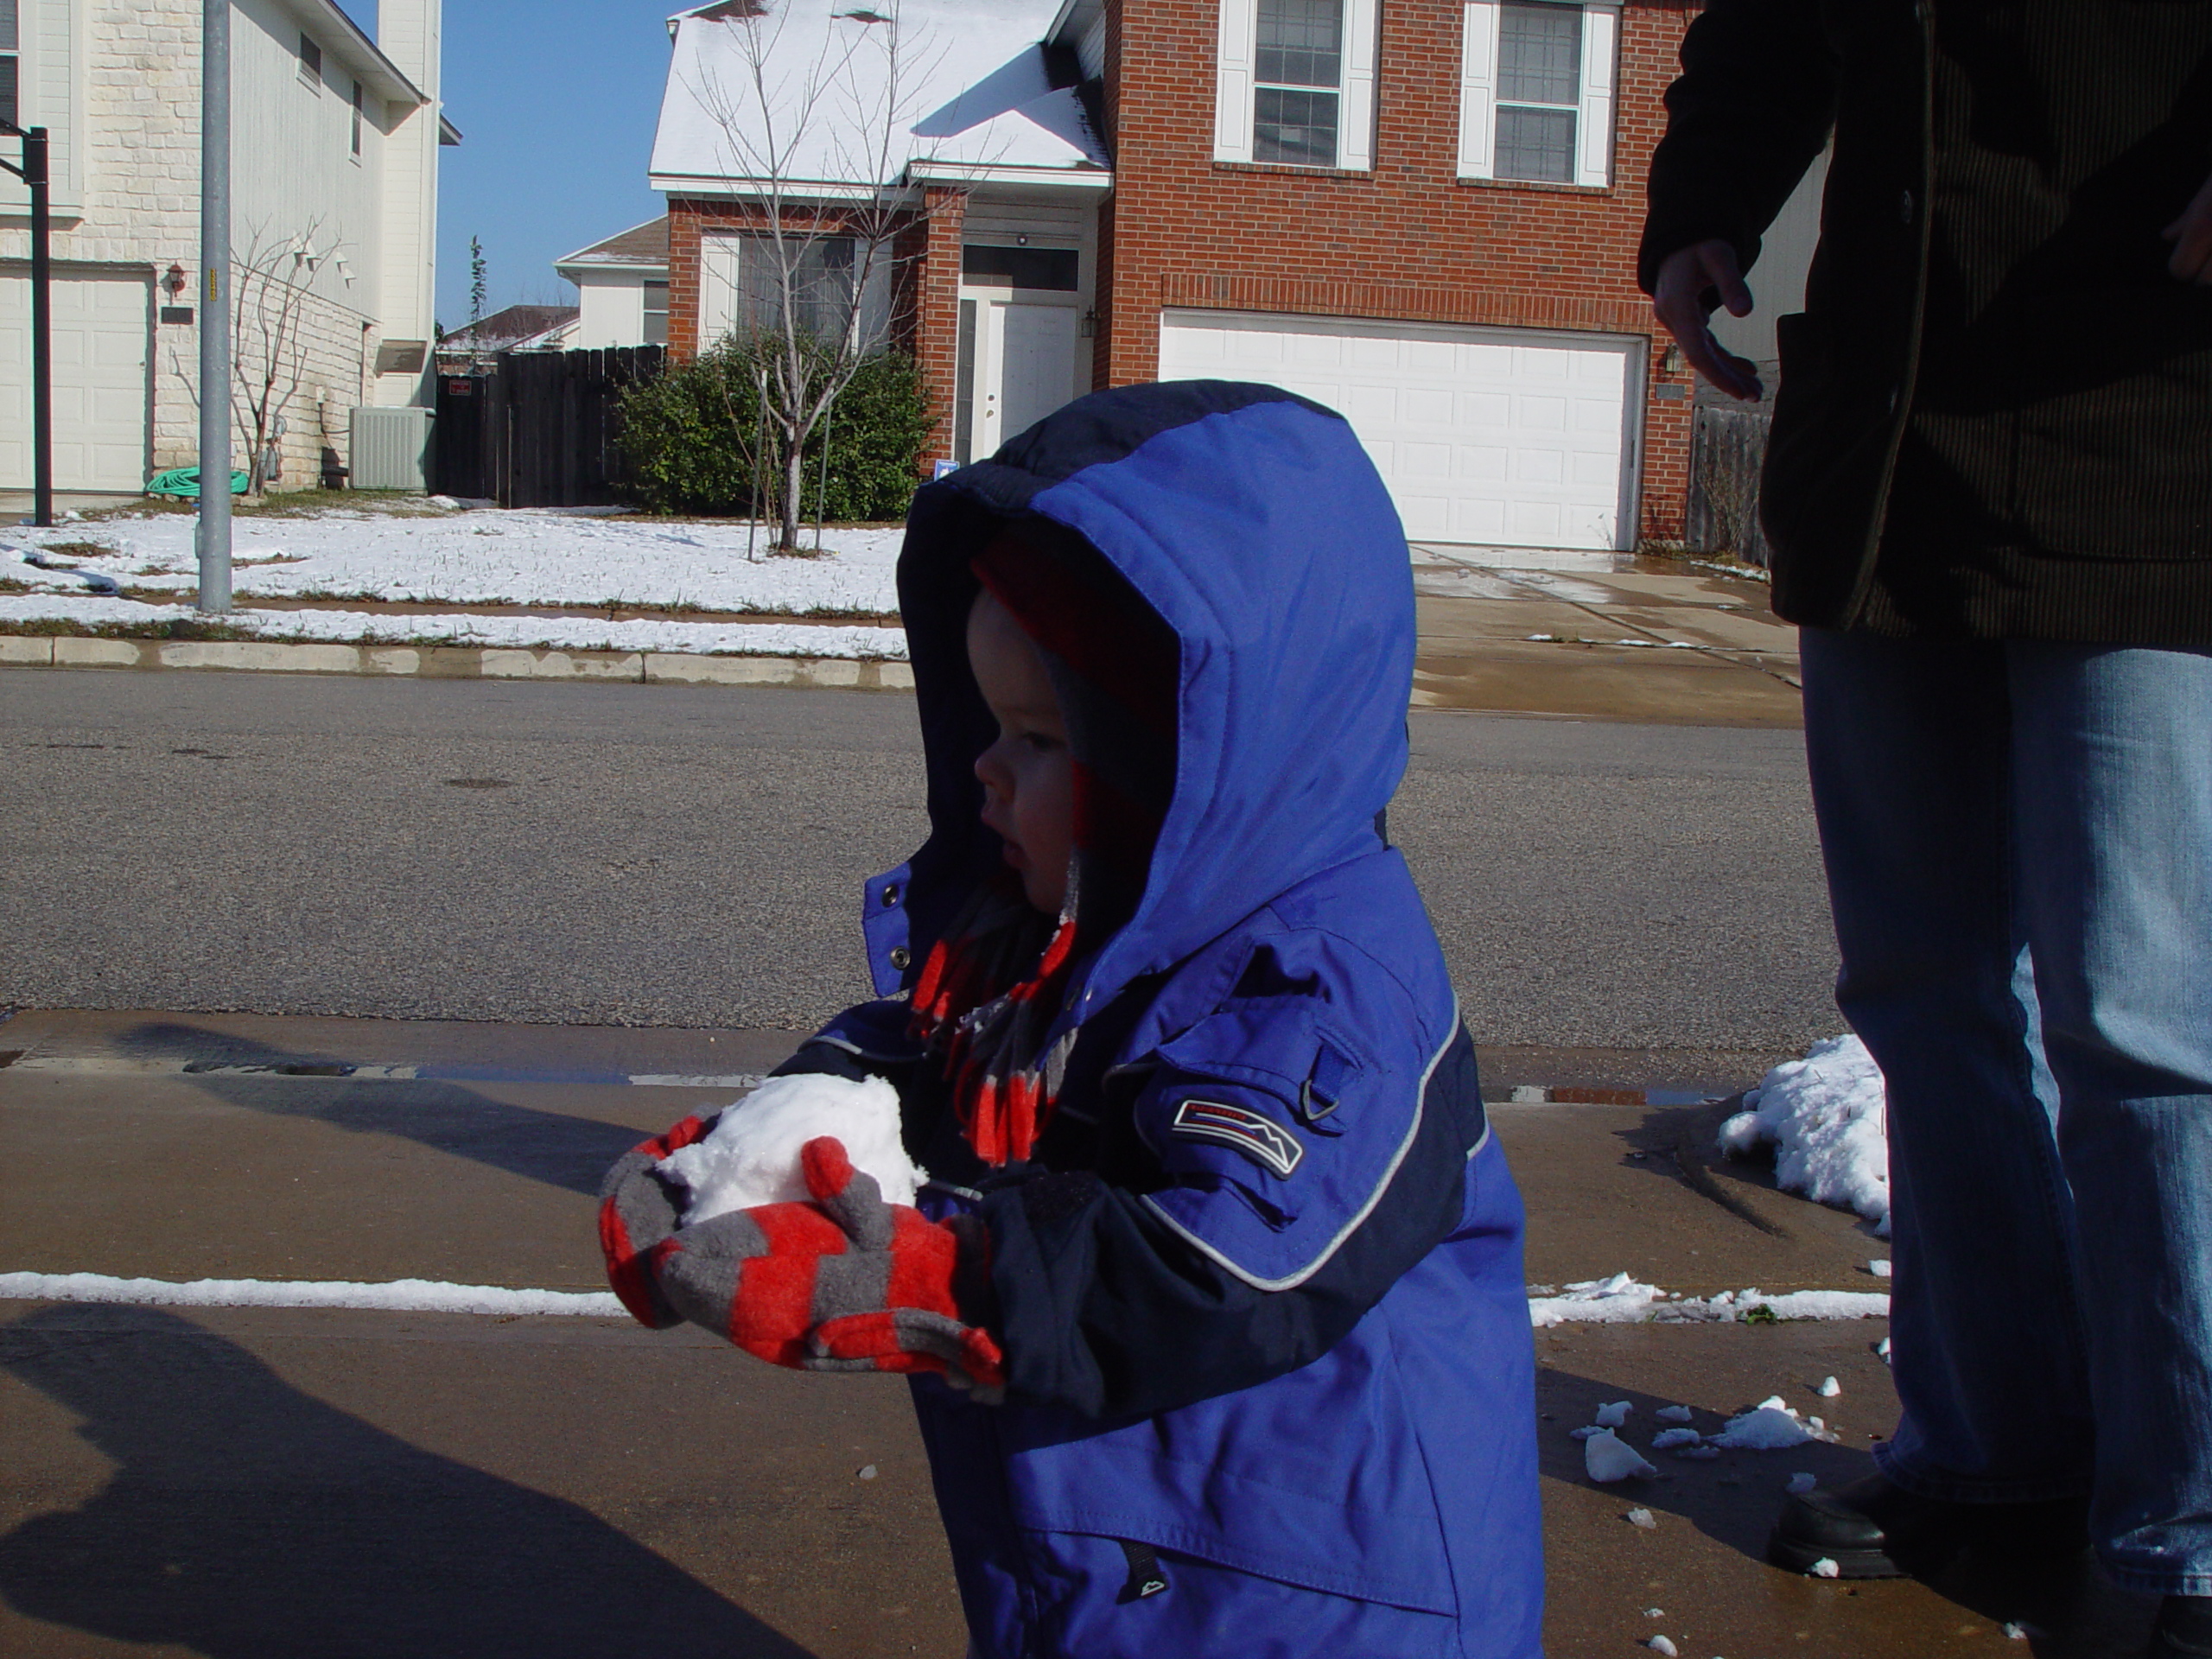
11	108
1053	269
821	283
655	312
357	120
1297	78
1536	91
1295	83
310	62
1539	90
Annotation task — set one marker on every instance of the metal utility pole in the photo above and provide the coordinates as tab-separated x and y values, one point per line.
215	306
34	173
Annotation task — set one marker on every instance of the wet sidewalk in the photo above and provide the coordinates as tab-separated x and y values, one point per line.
365	1479
1607	636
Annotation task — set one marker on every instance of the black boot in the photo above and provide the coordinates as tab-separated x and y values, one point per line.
2184	1629
1874	1529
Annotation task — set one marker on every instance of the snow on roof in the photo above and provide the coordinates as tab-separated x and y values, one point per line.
855	94
641	245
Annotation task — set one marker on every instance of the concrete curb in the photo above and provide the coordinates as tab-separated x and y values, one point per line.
452	662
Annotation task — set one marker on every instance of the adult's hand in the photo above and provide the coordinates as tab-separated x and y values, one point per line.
2191	235
1684	278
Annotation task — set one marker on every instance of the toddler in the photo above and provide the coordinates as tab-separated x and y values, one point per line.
1213	1304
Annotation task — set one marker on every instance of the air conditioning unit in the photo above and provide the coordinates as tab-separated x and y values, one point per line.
392	450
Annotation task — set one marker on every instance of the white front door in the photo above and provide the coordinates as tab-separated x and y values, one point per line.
100	329
1490	436
1025	367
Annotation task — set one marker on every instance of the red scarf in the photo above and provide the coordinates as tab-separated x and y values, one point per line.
986	996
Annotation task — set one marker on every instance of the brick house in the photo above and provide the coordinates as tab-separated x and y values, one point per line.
333	178
1422	212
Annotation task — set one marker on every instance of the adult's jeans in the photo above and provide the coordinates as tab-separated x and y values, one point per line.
2018	843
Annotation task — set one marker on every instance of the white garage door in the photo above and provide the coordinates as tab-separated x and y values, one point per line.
99	382
1490	436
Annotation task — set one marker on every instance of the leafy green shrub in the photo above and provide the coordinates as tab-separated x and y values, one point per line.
690	436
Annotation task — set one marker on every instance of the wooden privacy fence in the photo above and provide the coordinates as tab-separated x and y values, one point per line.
537	429
1727	449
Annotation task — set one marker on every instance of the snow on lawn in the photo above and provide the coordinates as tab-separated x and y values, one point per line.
519	632
570	557
398	1295
1824	1115
1623	1300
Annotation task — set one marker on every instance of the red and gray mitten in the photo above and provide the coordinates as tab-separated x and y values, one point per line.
637	1211
846	1283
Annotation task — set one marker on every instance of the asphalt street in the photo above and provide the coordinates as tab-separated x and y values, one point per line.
616	854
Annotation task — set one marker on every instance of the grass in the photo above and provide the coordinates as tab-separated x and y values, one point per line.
287	504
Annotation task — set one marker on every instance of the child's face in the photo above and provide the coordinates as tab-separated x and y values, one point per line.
1027	775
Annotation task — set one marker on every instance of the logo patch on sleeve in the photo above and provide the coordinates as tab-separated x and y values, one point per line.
1266	1142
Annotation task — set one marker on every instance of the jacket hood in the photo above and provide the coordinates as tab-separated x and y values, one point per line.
1253	523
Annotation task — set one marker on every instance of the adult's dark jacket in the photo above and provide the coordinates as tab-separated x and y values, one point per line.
1995	412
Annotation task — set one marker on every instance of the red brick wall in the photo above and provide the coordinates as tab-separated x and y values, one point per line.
935	268
925	288
1408	240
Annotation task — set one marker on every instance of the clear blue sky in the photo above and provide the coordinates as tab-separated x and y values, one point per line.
555	100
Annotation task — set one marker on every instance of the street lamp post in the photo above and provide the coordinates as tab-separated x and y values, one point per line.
33	172
215	525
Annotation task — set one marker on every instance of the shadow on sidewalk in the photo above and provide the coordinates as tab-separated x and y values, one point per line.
2067	1611
247	1519
560	1150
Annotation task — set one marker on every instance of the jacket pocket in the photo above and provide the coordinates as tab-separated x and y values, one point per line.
1316	1479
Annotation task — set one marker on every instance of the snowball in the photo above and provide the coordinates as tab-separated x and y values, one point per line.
1614	1415
1800	1482
1673	1413
1667	1438
1643	1518
1607	1458
1768	1427
1830	1387
1825	1116
1662	1645
1824	1568
1879	1266
751	1157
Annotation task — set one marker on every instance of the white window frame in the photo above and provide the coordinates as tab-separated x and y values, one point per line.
1234	103
1479	66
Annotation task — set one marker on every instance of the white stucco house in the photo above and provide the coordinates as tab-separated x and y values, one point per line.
333	160
621	288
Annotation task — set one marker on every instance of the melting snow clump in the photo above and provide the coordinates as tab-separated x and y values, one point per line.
1829	1388
1772	1426
1825	1117
1607	1458
1800	1482
1614	1415
1667	1438
1879	1266
1662	1645
751	1156
1673	1413
1642	1518
1824	1568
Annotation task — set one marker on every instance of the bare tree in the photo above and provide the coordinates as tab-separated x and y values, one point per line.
816	131
269	355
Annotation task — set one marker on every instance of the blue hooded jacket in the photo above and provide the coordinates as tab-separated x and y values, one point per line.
1270	1373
